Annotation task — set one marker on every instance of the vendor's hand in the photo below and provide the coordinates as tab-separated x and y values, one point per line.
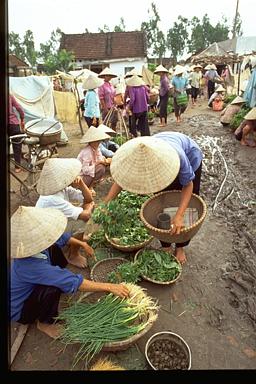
88	250
119	290
108	160
177	225
78	182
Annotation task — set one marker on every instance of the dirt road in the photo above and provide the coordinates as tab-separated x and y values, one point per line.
214	303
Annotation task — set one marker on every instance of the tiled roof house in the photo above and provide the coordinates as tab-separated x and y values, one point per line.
121	51
18	67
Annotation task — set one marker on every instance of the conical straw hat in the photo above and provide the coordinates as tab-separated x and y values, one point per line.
135	81
238	100
213	66
92	82
144	165
135	72
178	70
106	129
251	115
34	229
57	174
208	66
220	89
106	72
160	68
94	134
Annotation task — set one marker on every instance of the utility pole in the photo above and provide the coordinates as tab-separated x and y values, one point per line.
235	20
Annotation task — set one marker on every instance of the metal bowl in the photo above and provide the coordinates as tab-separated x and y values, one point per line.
48	130
175	338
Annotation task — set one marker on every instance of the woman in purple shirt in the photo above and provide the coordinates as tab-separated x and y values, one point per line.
138	104
163	93
38	273
16	127
107	95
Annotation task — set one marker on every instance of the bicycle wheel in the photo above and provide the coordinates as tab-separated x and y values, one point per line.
31	182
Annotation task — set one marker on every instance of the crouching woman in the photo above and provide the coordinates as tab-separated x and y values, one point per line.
38	273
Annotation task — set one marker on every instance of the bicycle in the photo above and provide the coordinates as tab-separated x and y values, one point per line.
35	158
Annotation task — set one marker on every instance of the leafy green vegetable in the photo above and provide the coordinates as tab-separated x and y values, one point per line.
155	264
239	117
97	239
120	219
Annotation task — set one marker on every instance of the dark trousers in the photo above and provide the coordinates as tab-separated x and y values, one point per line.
175	185
194	92
211	88
42	304
14	129
140	123
89	121
178	109
163	106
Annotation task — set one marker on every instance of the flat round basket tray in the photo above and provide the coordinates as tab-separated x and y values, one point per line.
156	204
137	255
92	297
100	270
128	248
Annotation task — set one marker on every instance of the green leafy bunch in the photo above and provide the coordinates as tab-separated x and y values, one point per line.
120	218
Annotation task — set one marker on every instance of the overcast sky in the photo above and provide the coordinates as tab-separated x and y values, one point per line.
73	16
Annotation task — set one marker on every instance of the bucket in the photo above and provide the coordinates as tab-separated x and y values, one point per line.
163	221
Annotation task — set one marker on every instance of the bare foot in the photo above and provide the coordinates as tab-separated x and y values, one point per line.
52	330
18	170
180	255
77	260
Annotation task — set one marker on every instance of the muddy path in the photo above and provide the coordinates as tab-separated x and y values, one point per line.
213	305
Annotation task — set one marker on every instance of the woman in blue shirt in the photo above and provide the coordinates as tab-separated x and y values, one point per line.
180	84
92	101
38	273
137	167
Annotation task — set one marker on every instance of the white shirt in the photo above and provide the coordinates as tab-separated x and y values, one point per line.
61	200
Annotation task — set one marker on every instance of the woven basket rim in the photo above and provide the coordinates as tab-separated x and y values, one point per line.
166	231
104	261
156	281
130	340
128	247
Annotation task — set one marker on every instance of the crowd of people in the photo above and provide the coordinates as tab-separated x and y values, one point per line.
65	187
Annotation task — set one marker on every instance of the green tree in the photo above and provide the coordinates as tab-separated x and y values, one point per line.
155	37
15	46
177	36
237	25
29	48
121	27
203	33
105	29
53	57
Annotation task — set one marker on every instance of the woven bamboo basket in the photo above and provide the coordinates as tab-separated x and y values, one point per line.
121	345
128	248
156	281
156	204
100	270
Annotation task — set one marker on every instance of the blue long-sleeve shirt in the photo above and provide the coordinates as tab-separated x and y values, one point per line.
91	104
27	272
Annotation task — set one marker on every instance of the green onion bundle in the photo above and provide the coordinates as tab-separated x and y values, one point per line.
110	319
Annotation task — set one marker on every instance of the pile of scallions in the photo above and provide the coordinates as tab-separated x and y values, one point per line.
110	319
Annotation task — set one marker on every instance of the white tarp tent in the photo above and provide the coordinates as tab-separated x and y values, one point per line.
35	95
